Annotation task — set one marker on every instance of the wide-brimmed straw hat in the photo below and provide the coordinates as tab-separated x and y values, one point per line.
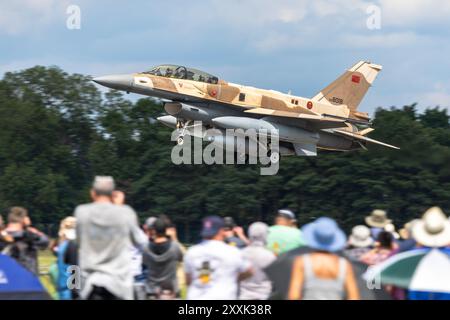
360	237
433	230
377	219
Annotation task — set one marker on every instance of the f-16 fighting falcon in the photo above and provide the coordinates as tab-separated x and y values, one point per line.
329	121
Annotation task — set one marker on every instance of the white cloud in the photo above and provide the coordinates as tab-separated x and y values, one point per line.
408	13
323	8
439	95
277	41
432	99
390	40
22	16
258	12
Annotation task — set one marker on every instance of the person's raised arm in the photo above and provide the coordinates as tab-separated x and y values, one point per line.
138	237
239	231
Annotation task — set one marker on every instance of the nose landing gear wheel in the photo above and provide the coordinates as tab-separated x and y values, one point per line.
182	126
180	141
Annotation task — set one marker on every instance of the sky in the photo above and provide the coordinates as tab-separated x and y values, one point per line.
286	45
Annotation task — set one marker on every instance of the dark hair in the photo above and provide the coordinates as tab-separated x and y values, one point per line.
160	227
229	223
166	220
385	239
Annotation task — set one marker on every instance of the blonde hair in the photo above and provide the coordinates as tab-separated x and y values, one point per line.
68	223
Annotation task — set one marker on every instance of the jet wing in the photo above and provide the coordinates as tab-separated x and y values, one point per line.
322	121
360	137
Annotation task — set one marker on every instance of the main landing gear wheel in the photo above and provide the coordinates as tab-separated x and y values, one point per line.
274	157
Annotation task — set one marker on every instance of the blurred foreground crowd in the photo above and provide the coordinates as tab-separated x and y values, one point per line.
103	253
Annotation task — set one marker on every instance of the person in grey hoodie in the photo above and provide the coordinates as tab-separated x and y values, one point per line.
161	260
106	231
258	286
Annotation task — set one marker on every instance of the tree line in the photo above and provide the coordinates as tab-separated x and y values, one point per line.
57	130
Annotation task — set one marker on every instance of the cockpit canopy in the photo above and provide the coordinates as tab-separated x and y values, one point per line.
181	72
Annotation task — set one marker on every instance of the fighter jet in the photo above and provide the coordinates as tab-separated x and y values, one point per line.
330	120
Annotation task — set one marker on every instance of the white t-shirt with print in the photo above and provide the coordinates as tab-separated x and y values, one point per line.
214	267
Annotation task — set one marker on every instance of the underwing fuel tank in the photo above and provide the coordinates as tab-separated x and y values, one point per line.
169	121
235	144
285	133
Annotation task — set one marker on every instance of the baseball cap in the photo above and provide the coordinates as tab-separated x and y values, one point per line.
211	225
286	213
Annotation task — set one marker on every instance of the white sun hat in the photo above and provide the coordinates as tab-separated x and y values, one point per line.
433	230
360	237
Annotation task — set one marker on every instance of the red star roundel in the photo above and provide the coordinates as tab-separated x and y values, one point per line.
309	105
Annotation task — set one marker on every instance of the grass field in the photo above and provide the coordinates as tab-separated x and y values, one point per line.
47	258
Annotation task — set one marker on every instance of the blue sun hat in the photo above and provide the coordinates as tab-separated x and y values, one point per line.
324	234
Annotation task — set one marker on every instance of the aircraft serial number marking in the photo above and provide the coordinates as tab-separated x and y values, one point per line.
337	100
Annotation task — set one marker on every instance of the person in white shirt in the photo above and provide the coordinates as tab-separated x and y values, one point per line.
213	268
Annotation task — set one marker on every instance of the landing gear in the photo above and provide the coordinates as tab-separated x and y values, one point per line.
180	140
274	157
182	127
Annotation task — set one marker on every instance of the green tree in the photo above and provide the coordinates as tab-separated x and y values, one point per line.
57	131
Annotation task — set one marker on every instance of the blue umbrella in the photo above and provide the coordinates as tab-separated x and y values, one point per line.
17	283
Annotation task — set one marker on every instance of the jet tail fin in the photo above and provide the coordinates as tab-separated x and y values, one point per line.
350	88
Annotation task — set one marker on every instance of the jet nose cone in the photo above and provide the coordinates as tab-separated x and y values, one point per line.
117	81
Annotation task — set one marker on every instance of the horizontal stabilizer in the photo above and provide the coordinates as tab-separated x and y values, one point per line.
365	131
363	138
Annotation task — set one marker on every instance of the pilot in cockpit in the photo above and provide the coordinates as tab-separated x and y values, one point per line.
180	74
169	72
